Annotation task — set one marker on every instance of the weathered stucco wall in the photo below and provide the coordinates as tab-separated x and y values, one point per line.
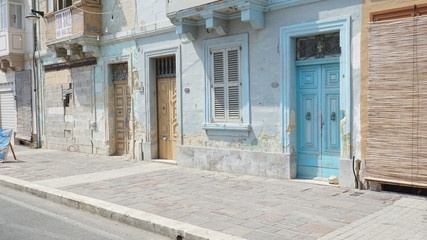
122	16
153	15
265	72
265	69
111	54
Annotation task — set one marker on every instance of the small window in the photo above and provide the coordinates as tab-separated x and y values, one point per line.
320	46
11	14
56	5
3	14
15	15
226	84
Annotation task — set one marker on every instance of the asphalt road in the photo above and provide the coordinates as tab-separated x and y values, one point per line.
23	216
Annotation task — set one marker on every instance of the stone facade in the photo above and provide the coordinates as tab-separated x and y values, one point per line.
263	143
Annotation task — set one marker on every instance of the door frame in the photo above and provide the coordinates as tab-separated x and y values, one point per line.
107	87
150	146
288	34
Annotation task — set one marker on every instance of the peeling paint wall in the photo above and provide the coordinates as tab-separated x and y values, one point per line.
265	72
87	125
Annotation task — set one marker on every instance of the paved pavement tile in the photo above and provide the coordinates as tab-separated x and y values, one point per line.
241	205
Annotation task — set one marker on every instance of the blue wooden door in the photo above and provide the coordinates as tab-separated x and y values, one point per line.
318	116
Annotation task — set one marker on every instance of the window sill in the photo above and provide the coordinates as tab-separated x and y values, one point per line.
234	130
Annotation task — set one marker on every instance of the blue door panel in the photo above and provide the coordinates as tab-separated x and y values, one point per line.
329	161
318	116
309	78
331	120
309	123
307	172
331	76
311	160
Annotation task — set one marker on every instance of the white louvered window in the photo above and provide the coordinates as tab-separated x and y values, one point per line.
226	85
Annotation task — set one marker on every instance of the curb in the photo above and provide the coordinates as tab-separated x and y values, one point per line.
136	218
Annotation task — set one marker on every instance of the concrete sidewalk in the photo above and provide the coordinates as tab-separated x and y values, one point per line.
197	204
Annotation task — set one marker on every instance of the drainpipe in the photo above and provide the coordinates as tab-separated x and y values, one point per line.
93	125
36	76
132	103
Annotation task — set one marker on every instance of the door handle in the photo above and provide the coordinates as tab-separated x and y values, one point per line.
164	138
308	115
333	116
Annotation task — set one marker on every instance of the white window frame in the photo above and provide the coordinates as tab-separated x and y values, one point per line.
4	18
53	5
7	21
227	126
64	24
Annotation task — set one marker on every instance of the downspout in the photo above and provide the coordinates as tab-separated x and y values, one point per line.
36	72
133	82
132	104
93	125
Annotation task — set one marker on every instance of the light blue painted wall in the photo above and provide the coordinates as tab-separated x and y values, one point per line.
265	69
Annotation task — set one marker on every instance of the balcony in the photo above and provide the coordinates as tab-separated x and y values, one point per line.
73	30
188	15
12	35
12	49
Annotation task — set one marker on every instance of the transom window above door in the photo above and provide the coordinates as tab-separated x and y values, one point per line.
319	46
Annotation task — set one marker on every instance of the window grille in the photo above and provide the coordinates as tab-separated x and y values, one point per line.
120	72
320	46
165	67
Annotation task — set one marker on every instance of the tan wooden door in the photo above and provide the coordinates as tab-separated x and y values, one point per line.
167	123
122	104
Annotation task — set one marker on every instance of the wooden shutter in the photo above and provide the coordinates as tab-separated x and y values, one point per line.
218	85
399	13
397	102
233	66
226	85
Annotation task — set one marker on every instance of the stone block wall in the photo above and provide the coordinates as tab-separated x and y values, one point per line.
67	126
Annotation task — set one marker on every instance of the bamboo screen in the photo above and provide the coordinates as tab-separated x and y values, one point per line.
397	102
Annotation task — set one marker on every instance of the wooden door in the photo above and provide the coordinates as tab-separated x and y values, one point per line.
318	117
167	122
122	104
